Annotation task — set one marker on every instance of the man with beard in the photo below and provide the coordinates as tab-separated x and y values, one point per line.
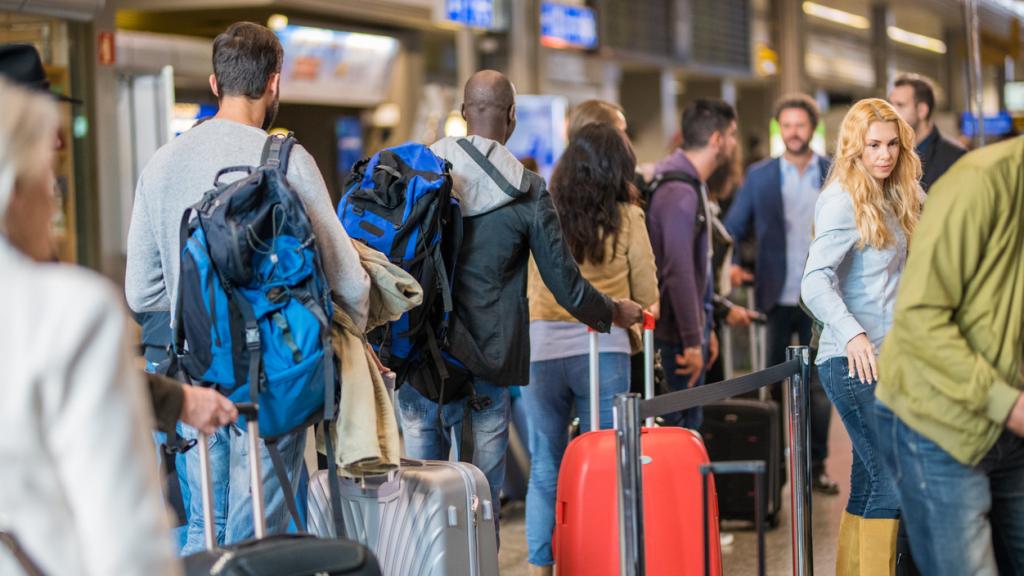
679	223
776	204
914	99
246	78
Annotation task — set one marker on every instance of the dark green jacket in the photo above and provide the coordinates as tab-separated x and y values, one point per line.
950	365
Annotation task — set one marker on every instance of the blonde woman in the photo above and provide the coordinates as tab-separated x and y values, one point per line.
78	485
863	222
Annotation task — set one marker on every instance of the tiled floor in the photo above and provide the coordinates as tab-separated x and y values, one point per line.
740	558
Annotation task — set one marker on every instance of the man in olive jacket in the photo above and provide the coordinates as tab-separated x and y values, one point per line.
950	410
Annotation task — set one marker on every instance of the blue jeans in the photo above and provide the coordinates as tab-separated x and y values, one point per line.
872	492
556	386
691	418
960	519
232	494
425	440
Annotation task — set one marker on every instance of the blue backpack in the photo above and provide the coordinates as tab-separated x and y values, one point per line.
399	202
253	305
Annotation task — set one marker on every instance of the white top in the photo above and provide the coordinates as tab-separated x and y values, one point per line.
78	475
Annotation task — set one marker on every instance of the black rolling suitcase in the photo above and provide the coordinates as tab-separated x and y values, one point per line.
745	430
278	555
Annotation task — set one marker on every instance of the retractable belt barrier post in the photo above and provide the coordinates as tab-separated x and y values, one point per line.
630	411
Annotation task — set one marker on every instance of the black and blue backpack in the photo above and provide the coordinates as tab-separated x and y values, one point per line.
253	305
399	202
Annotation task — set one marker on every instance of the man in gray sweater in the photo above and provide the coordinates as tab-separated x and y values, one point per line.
247	68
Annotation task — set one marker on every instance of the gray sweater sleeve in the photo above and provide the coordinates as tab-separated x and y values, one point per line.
345	273
144	277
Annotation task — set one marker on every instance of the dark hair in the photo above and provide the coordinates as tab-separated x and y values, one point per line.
923	91
801	102
702	118
245	56
593	176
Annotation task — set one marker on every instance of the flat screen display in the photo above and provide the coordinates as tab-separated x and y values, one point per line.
335	67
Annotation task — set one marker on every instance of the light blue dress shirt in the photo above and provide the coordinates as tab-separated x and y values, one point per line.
851	290
799	194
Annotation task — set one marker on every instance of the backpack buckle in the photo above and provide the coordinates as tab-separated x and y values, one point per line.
252	337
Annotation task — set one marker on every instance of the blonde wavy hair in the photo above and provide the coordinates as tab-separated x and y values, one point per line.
900	194
28	123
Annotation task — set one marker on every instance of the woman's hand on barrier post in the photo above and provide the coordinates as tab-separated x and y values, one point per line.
861	357
690	363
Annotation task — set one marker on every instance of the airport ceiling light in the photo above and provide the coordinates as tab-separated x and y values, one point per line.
836	16
917	40
277	22
455	125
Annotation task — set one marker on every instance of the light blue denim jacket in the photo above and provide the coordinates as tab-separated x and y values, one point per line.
850	290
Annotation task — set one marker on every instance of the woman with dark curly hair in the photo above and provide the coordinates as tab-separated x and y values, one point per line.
593	192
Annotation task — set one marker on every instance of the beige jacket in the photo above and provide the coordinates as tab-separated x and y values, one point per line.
366	434
628	272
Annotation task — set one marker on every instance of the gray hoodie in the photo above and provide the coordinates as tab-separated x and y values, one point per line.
482	186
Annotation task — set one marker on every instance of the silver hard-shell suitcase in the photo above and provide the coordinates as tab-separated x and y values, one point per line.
273	555
427	518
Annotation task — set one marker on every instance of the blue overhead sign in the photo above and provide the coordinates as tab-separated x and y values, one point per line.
472	13
999	125
565	26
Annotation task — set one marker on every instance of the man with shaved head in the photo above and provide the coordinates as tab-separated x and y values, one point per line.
507	216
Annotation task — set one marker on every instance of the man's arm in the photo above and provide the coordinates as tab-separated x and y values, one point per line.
202	408
345	274
675	207
951	240
741	214
559	271
144	274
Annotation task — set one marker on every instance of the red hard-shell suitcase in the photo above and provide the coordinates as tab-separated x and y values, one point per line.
586	539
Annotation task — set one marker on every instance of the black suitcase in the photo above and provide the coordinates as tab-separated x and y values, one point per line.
278	555
745	430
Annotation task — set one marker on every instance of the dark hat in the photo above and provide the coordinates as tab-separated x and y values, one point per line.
20	63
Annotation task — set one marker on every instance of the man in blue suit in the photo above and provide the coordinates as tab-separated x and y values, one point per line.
776	205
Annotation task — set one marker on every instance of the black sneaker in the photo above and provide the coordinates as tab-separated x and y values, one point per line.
820	482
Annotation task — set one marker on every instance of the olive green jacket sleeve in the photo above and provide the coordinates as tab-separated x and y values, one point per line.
168	398
948	365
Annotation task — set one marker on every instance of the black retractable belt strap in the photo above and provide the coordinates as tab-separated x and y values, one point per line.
701	395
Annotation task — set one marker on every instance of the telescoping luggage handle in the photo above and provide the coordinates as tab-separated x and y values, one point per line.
757	469
595	371
251	413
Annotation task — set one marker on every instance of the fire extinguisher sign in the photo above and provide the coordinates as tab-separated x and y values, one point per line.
105	48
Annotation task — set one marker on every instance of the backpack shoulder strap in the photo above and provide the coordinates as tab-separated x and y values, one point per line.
276	151
489	168
675	176
686	178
